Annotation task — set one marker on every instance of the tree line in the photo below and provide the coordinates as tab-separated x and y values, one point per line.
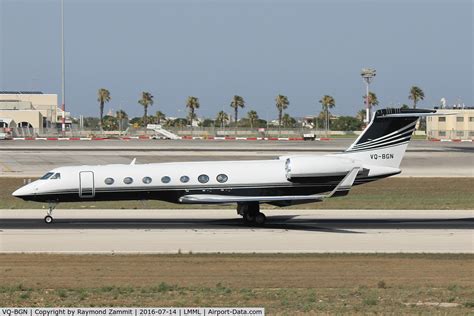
222	119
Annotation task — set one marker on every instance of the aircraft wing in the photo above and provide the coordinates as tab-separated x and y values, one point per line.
341	189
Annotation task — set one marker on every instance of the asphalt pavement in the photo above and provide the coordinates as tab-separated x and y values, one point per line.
286	231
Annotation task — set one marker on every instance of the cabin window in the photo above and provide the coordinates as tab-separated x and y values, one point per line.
165	179
109	181
56	176
146	180
46	176
128	180
222	178
203	178
184	179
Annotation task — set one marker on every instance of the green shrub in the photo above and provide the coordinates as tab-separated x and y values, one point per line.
370	301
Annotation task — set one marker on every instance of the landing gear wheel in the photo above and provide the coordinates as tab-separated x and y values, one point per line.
251	214
249	218
48	219
260	219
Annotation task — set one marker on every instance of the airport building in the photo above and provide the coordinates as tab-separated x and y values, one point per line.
456	124
30	109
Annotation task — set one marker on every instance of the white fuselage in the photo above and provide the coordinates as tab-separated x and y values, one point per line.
169	181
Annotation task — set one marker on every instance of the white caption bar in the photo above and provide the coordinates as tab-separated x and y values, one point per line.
145	311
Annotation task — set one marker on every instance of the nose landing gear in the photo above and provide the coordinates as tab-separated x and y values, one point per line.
251	214
48	219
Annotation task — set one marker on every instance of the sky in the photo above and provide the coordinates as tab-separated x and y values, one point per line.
253	48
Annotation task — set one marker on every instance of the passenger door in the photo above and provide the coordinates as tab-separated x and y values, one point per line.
86	184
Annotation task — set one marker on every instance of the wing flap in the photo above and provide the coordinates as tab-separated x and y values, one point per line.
341	189
216	198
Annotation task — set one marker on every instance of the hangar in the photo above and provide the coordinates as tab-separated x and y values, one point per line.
31	109
457	123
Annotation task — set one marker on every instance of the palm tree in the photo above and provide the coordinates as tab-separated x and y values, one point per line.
160	116
281	103
110	123
253	117
373	101
121	116
327	102
287	120
192	104
237	101
360	115
168	122
146	101
416	94
103	97
222	118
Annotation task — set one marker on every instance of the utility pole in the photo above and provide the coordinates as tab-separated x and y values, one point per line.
63	88
368	75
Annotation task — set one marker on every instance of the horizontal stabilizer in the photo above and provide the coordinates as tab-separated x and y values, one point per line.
341	189
416	114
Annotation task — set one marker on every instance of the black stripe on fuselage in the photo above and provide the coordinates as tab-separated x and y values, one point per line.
173	195
300	181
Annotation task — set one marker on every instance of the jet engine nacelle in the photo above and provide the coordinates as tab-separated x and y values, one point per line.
306	168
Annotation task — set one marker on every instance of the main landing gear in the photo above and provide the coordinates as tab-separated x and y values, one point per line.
251	214
48	219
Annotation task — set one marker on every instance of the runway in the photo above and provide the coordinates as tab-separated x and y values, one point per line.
336	144
212	231
33	159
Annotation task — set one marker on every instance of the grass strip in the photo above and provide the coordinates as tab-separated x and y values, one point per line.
283	284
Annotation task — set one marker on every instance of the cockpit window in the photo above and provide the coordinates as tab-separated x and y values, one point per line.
46	176
56	176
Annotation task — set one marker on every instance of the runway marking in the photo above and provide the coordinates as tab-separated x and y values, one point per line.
6	168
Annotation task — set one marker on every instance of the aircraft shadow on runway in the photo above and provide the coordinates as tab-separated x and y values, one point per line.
461	149
293	223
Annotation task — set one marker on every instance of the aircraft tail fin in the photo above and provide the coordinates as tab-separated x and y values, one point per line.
385	140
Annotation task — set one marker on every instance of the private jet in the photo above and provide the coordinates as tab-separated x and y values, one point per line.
287	180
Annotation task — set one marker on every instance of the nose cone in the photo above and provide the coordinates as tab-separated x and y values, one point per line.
24	191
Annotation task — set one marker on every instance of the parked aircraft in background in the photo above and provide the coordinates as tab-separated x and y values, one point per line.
289	180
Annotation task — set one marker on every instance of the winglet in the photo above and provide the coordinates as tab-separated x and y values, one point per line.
133	161
345	185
